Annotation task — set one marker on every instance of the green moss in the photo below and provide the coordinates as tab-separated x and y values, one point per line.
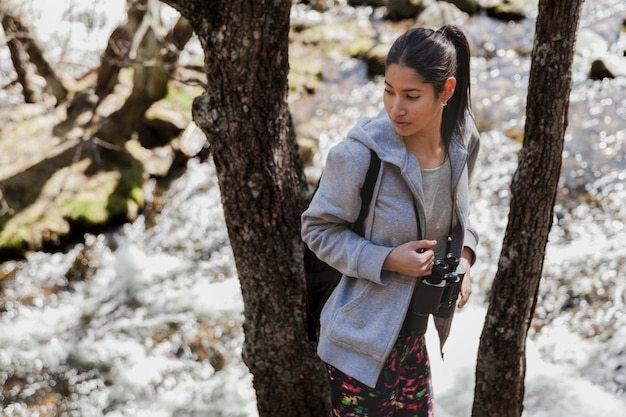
304	75
138	196
180	96
87	209
360	46
14	239
50	196
127	198
30	228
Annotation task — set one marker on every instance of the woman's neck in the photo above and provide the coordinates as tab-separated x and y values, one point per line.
430	152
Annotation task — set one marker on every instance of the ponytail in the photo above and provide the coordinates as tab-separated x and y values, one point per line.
460	102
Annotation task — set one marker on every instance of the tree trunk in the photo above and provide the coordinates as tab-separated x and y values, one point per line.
19	57
245	115
115	56
501	363
153	63
22	42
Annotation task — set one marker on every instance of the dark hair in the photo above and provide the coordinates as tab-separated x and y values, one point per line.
437	56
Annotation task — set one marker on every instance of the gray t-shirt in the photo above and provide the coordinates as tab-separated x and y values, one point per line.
438	197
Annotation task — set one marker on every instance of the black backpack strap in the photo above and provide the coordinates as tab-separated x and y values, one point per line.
311	327
367	191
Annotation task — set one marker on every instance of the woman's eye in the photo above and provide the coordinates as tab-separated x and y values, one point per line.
388	91
413	97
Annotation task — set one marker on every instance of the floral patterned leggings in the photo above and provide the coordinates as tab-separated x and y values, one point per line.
404	388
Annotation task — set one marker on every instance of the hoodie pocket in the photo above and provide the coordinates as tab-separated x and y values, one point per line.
362	325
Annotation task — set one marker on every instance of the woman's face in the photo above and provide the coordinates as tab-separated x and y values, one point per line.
412	104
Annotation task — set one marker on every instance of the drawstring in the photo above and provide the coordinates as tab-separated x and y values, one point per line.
453	212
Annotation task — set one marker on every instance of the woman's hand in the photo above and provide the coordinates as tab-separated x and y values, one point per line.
466	285
415	258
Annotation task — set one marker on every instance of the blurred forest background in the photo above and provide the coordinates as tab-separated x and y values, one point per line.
96	138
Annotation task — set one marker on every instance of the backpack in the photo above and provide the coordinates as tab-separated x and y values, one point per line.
321	278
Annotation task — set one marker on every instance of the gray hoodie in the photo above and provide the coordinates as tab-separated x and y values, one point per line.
363	317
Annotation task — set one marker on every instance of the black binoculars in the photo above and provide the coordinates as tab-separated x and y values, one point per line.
435	294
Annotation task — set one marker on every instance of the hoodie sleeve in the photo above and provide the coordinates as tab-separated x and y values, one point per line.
473	147
326	224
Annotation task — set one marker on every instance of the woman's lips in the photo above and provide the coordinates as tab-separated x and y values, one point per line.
400	125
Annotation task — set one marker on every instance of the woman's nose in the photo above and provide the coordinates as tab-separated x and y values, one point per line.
398	109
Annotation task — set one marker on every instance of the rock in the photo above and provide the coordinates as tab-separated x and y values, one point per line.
361	46
193	140
590	44
604	62
511	10
608	65
305	76
375	59
440	14
371	3
308	149
621	38
156	160
161	124
321	5
406	9
467	6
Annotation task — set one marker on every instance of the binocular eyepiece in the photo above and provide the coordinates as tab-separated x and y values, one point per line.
435	294
444	269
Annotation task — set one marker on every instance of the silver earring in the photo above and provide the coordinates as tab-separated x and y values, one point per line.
444	103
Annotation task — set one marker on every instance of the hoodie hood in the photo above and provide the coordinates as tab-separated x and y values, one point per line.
379	134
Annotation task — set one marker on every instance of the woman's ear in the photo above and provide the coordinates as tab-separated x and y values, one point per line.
448	89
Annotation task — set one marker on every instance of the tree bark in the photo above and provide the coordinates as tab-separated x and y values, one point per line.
19	57
26	49
501	363
245	115
115	56
153	64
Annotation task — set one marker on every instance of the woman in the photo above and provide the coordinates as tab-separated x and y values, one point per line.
426	138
